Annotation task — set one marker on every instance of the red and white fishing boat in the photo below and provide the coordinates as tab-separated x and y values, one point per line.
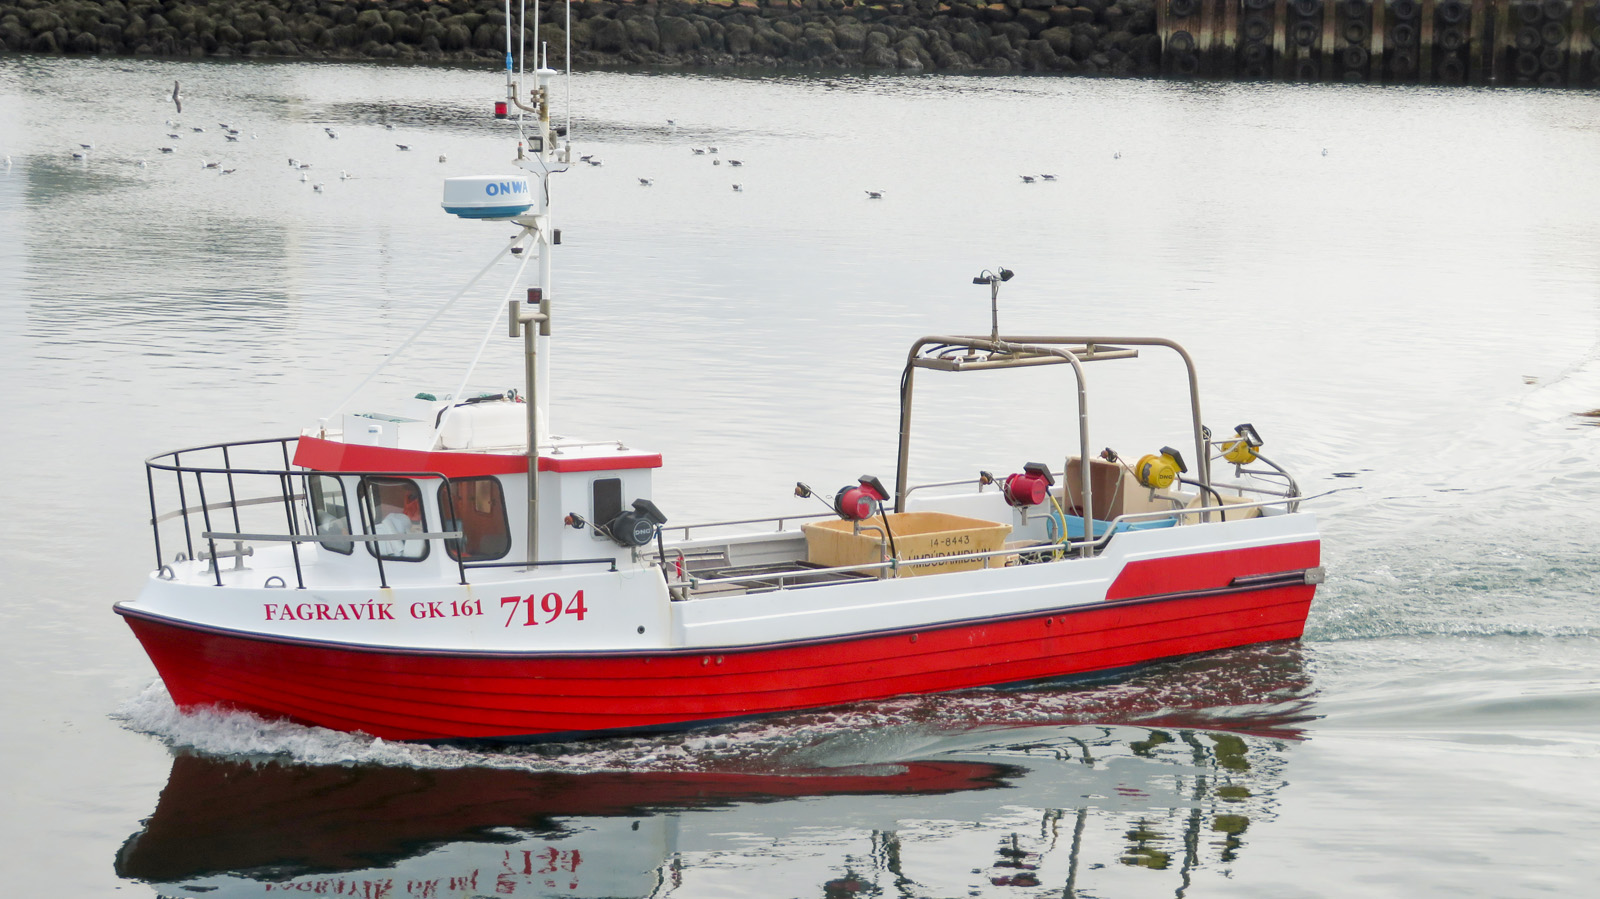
444	569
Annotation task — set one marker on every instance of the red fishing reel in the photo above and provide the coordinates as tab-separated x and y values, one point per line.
860	501
1029	487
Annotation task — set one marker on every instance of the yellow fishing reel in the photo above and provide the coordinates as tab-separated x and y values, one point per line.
1245	446
1158	470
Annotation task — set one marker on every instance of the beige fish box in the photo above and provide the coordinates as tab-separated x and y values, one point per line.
917	536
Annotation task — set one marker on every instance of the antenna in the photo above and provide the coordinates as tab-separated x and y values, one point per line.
994	281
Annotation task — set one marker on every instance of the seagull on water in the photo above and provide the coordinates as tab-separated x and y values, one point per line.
198	130
735	162
87	146
317	187
230	137
177	99
332	133
1047	177
165	149
874	194
697	151
441	157
1027	179
647	181
404	146
739	187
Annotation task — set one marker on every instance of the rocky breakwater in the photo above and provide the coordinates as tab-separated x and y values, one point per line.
1096	37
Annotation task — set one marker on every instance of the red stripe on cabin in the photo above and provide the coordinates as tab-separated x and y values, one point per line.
332	455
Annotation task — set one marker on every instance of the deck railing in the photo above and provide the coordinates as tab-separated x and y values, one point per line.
215	479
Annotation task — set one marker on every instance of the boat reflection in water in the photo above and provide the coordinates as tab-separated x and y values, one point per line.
1156	802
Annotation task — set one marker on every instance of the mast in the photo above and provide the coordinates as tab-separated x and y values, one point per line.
537	154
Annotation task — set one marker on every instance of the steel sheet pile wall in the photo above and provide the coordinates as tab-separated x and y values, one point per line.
1549	43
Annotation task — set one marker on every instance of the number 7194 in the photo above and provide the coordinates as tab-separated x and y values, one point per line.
551	606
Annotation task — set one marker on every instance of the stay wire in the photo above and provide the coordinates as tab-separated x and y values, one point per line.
395	353
494	322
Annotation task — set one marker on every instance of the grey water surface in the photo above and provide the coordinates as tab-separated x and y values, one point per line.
1397	287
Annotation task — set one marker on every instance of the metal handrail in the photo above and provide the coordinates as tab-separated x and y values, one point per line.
779	519
336	538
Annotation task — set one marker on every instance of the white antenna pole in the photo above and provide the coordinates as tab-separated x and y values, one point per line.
508	43
569	70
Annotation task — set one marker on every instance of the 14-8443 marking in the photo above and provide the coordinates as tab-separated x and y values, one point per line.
550	606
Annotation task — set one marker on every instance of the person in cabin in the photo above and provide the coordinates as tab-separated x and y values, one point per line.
399	511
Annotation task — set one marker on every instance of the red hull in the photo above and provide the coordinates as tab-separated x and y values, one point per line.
420	695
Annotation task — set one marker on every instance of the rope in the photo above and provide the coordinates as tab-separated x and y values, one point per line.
394	354
482	345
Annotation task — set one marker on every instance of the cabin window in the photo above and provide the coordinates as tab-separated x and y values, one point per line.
477	507
606	494
329	512
394	506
